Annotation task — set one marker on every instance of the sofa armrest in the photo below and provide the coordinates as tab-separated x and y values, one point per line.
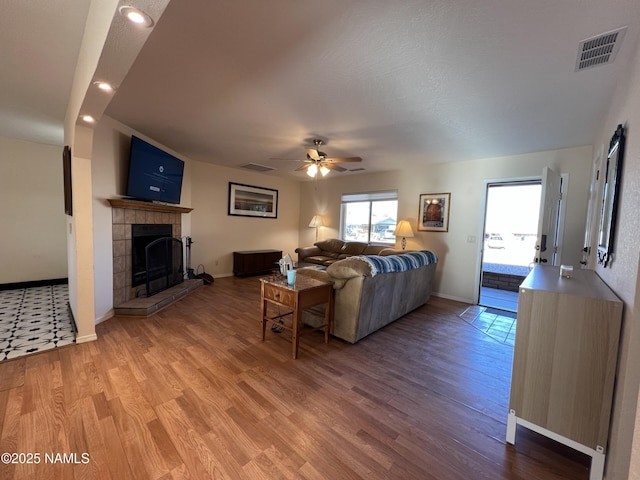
304	252
349	268
323	276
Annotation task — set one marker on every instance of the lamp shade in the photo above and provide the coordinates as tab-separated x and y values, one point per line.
403	229
316	222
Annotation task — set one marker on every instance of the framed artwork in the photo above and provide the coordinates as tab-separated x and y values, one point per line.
66	173
433	213
250	201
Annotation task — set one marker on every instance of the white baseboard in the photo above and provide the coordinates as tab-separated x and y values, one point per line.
87	338
104	317
451	297
223	275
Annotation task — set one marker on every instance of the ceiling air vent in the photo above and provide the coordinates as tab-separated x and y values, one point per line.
257	167
359	169
599	50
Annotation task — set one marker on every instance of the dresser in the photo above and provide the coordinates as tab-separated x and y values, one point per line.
565	359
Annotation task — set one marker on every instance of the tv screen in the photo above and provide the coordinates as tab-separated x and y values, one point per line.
153	173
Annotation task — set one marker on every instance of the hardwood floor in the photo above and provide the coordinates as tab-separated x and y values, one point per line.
193	393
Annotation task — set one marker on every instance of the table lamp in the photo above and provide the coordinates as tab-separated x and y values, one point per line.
316	222
403	229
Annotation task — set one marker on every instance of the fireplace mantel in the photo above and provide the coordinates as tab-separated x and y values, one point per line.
139	205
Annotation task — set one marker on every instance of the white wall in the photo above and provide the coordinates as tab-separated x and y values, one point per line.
109	172
465	180
217	235
33	241
622	277
80	253
205	189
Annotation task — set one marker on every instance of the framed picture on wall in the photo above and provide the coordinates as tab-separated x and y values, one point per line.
66	174
433	213
250	201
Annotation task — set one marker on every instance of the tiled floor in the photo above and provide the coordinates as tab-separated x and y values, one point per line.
501	299
33	320
498	324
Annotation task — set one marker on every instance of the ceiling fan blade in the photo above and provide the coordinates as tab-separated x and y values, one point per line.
331	166
313	153
341	160
303	167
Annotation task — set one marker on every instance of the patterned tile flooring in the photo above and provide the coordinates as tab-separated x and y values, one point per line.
33	320
498	324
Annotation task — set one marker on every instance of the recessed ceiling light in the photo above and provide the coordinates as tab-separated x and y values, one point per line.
104	86
136	16
88	118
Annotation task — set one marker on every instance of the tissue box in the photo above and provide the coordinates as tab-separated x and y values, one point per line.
566	271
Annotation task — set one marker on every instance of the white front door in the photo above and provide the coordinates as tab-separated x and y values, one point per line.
547	240
595	199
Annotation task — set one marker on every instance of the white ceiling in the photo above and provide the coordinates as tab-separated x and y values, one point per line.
39	46
394	82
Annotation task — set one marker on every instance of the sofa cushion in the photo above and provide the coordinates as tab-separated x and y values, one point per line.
308	251
332	245
374	249
326	252
320	259
352	248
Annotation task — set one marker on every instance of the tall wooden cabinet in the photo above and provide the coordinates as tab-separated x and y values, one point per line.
564	361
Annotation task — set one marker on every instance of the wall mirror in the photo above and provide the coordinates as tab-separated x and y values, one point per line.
610	196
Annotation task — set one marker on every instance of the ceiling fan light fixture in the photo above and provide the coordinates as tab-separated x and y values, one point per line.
312	170
318	162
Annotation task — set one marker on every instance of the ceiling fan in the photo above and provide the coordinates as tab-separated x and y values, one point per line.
318	161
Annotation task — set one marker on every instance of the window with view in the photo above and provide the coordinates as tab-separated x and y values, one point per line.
369	217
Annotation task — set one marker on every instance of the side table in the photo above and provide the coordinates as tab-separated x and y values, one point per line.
306	292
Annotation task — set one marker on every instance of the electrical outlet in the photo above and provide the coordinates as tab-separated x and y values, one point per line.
471	239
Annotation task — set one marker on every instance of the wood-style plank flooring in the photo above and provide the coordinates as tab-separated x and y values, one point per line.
193	393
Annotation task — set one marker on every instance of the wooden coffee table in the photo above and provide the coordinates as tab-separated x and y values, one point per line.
306	292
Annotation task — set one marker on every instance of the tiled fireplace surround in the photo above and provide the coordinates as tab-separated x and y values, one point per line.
125	213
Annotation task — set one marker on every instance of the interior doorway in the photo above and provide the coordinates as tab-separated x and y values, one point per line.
509	240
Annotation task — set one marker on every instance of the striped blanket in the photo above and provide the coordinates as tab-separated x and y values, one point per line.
397	263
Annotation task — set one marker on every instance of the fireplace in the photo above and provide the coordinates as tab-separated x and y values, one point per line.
141	236
126	213
164	264
156	257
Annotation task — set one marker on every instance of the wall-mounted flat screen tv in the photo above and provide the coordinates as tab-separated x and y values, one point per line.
154	174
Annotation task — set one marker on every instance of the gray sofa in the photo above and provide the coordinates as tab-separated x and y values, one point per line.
326	252
373	291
